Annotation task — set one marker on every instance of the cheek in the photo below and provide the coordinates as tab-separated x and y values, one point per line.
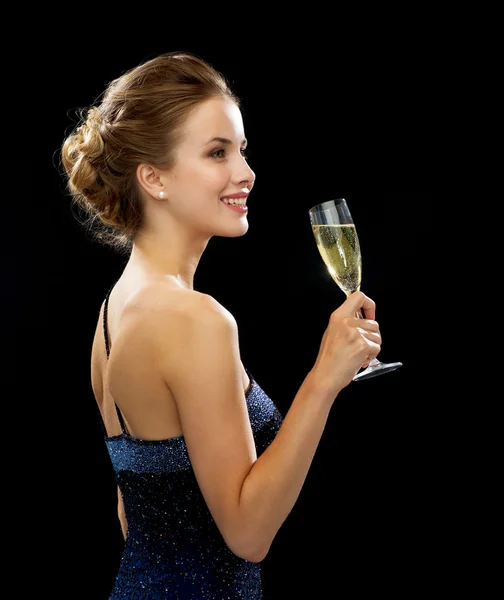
215	178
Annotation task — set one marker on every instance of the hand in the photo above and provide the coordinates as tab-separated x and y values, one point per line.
348	344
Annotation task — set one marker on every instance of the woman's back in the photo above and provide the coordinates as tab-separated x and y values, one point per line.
173	547
131	376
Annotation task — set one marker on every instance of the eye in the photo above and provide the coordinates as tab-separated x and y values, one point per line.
221	153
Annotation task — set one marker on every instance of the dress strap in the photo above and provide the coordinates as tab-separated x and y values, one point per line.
107	346
105	311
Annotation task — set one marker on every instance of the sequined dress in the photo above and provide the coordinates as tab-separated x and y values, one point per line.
173	548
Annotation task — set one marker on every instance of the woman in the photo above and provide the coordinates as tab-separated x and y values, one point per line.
207	468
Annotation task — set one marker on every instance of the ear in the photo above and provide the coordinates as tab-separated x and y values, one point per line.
150	180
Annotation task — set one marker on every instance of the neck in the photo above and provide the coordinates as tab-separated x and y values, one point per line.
172	257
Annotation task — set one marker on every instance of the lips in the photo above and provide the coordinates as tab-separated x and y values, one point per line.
237	195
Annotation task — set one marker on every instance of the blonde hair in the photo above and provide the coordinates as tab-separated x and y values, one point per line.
139	119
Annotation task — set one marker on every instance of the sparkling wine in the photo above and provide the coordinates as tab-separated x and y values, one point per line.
339	247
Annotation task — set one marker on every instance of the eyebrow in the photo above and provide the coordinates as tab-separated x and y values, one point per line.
224	141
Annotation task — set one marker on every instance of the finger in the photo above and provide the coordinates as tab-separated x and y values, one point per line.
357	301
372	336
374	350
367	325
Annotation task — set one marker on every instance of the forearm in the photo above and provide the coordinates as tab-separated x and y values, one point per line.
272	486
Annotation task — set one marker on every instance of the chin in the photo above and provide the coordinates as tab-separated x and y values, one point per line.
240	228
240	231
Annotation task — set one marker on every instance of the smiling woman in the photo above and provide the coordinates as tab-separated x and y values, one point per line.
207	468
115	176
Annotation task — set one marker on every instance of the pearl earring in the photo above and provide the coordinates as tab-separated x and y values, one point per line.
161	194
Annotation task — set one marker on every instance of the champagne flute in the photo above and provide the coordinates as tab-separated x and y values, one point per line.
338	244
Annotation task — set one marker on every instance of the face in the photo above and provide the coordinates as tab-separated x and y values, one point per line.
210	164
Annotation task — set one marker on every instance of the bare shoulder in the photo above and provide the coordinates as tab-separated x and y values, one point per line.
170	317
162	305
182	324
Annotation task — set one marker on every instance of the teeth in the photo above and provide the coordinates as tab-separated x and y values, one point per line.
235	201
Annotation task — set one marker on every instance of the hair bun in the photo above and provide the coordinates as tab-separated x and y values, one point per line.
94	117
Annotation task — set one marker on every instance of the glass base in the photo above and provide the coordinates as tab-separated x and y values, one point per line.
376	368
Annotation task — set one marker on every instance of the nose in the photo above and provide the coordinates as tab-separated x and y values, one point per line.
244	176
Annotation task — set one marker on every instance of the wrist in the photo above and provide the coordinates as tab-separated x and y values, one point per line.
321	388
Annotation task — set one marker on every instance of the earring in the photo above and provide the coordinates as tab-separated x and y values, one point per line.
161	194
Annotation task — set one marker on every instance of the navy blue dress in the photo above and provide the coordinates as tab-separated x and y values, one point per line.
173	548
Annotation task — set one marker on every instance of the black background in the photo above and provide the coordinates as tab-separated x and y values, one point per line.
365	517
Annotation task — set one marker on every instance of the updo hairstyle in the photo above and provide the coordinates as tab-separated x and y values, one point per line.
139	120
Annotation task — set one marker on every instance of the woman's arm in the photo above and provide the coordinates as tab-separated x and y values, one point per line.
198	355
